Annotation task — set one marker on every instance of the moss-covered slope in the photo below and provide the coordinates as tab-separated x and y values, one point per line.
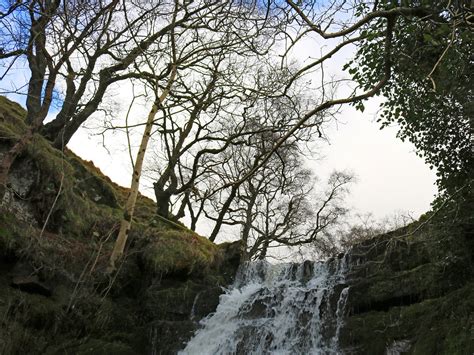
58	222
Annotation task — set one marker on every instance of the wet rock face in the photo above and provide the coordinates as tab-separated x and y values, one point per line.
185	301
175	313
232	256
168	337
205	302
410	294
174	307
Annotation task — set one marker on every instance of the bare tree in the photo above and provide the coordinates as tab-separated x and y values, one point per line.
361	227
206	111
266	120
309	18
76	51
302	217
278	205
206	60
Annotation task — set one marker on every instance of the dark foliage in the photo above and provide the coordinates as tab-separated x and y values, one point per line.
430	92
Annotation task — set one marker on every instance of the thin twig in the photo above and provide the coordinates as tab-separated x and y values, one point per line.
53	205
441	58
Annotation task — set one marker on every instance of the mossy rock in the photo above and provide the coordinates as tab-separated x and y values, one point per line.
27	321
12	119
92	185
89	312
178	252
8	239
435	326
15	339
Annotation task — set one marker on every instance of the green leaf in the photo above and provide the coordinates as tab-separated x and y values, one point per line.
427	37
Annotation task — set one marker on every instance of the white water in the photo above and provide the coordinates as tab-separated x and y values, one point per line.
277	309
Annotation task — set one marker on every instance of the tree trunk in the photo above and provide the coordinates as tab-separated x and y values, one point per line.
248	224
162	201
126	222
225	207
181	212
64	135
132	196
263	252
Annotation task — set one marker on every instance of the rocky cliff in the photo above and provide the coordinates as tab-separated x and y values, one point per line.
412	290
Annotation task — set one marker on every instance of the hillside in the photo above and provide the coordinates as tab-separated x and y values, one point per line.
58	222
412	290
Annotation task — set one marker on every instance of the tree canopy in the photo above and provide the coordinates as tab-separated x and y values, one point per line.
430	93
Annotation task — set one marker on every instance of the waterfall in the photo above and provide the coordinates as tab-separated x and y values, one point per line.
277	309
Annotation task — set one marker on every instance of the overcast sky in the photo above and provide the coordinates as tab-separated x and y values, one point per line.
391	178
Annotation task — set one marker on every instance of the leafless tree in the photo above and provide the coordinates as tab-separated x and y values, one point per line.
265	120
361	227
223	72
303	20
198	54
76	51
208	61
307	19
278	205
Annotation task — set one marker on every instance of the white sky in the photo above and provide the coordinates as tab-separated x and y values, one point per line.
391	178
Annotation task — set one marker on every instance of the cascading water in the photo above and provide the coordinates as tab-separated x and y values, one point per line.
277	309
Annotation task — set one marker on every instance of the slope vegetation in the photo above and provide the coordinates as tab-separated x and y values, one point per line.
58	222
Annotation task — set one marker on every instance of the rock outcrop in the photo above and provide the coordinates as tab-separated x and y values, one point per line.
139	311
412	290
